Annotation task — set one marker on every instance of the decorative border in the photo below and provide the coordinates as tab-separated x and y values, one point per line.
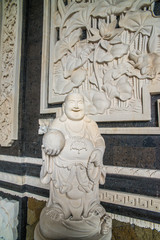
130	200
10	70
107	196
118	170
153	90
133	172
30	186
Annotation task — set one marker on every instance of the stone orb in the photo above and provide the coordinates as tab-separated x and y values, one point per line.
54	140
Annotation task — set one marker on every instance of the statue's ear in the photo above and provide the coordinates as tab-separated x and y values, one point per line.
63	117
63	106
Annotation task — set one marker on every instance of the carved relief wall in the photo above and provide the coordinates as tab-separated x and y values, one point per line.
107	50
10	52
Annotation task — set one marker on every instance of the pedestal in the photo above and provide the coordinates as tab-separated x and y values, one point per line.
38	236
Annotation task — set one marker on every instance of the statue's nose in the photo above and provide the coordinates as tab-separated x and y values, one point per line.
76	105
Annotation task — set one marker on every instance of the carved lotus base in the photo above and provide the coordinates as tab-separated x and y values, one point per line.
38	236
89	228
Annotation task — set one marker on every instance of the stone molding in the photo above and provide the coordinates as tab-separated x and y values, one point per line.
9	219
108	196
135	172
130	200
10	56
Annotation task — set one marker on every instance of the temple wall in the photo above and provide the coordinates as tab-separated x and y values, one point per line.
131	193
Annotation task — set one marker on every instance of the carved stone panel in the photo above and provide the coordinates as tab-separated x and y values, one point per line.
8	219
10	51
109	51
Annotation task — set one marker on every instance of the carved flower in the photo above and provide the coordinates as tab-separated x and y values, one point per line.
109	31
106	32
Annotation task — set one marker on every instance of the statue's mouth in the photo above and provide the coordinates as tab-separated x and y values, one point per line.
76	110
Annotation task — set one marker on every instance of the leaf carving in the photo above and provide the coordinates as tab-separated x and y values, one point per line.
62	46
78	77
62	85
57	19
104	56
80	19
75	60
119	50
138	4
104	44
94	31
61	8
94	38
138	21
154	39
114	52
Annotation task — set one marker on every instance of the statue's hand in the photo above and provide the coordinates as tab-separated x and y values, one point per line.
52	152
96	157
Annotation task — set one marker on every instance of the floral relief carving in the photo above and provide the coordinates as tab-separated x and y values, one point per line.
107	50
8	65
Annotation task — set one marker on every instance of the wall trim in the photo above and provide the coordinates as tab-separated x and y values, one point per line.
118	170
108	196
130	200
10	58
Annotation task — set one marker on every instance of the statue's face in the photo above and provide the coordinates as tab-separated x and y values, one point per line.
74	107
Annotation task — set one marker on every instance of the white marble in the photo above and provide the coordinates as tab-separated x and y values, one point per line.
8	219
72	153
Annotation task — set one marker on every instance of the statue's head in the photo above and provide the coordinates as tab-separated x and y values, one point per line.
74	106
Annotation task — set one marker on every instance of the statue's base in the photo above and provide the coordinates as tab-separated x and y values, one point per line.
38	236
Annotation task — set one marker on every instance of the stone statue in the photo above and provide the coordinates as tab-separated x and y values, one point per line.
72	153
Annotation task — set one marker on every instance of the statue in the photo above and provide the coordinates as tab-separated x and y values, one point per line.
72	153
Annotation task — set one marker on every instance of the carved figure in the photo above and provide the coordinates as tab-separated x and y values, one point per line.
72	154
